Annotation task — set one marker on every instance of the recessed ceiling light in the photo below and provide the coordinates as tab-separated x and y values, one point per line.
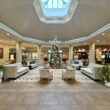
98	41
1	40
8	34
104	42
13	41
103	34
23	48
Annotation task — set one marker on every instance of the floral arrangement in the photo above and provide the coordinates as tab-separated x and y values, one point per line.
45	58
64	58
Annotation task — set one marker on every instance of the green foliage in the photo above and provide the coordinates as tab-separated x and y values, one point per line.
2	68
55	58
105	74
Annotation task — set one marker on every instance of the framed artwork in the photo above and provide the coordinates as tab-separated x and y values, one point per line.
1	53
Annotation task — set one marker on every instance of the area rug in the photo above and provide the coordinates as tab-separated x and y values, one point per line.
33	76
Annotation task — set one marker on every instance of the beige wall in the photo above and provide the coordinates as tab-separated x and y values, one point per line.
5	53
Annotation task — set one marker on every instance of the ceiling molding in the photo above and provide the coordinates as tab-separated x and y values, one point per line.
18	36
94	34
24	38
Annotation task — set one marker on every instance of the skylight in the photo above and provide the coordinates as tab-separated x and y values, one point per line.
55	11
55	4
55	8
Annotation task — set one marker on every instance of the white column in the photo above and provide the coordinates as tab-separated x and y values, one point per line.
92	53
6	53
39	54
70	53
18	52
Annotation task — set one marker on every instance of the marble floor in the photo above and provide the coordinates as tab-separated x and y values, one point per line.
34	76
49	96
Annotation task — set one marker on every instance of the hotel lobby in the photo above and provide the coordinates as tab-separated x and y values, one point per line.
54	54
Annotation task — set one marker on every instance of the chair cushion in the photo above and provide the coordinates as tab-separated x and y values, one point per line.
22	70
32	62
87	70
76	62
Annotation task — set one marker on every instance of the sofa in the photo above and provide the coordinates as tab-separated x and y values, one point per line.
32	64
14	70
77	64
92	71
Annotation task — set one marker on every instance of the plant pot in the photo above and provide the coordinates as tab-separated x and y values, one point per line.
64	65
1	74
107	84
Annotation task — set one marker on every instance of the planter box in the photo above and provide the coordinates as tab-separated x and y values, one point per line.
1	74
107	84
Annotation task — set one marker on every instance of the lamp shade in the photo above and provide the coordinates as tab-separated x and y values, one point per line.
11	57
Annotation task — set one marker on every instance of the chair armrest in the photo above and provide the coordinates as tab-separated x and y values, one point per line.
10	72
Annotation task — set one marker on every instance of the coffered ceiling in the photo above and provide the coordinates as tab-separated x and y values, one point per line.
89	16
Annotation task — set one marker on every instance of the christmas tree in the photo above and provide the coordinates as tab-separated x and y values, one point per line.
55	56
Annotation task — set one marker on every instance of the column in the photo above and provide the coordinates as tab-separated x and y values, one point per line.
39	54
6	53
18	52
92	53
70	53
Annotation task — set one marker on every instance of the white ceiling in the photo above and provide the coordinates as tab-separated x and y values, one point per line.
20	15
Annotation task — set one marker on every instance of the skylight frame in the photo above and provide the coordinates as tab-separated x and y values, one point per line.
56	19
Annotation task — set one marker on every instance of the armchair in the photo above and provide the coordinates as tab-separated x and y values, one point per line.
69	74
44	73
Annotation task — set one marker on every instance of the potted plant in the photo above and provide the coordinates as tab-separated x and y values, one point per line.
2	70
46	61
45	58
64	59
104	73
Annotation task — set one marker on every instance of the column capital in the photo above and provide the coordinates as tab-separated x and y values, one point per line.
19	43
91	43
69	46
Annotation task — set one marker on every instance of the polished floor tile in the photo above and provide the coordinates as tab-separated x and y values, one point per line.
54	96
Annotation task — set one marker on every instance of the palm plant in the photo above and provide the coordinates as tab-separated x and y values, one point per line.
104	73
2	68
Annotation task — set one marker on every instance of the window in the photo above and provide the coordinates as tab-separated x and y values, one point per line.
55	11
55	8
